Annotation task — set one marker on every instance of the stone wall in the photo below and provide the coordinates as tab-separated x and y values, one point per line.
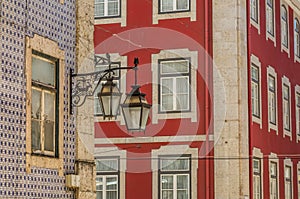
230	75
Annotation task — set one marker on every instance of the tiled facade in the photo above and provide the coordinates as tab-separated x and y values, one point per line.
56	21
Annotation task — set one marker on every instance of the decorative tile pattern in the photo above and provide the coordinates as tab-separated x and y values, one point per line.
19	19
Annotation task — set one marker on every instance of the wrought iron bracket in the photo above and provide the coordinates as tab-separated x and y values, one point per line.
84	85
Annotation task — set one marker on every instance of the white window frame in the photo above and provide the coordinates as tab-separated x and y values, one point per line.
174	7
122	60
274	159
288	164
157	15
171	54
106	4
106	152
298	179
296	38
286	114
284	28
270	21
271	72
256	62
297	108
170	150
258	155
255	8
120	18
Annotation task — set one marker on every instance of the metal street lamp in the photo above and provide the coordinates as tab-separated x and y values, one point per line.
135	107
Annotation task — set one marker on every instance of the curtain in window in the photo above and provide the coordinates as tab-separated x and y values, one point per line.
182	4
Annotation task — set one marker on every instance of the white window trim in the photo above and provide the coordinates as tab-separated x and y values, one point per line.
286	82
284	48
298	178
162	16
297	90
255	60
115	57
268	35
273	158
114	151
258	154
288	162
271	71
168	54
171	150
112	20
253	22
296	58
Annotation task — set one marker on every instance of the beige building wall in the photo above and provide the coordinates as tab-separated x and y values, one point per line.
230	75
85	114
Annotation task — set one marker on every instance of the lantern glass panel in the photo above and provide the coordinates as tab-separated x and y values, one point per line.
132	116
144	116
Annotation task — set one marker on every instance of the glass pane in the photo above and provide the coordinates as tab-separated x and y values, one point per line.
99	9
182	182
174	164
43	71
49	135
107	165
111	183
132	116
49	108
167	181
166	5
182	4
166	85
99	183
271	83
111	194
167	194
254	73
113	8
36	104
99	195
167	103
35	134
182	102
182	85
182	194
169	67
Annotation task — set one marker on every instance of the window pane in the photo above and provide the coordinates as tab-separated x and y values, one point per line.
182	182
111	194
167	182
111	183
99	10
167	194
180	66
182	4
106	165
49	112
36	96
99	195
99	183
36	134
43	71
49	135
166	5
182	194
174	164
113	8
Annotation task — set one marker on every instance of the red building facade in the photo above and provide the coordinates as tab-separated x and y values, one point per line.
172	41
273	60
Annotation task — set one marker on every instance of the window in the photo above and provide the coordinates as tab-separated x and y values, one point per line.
174	5
174	85
298	182
288	182
254	10
298	112
107	8
272	99
296	38
107	178
257	178
286	107
284	26
44	103
273	181
255	91
174	177
116	79
270	17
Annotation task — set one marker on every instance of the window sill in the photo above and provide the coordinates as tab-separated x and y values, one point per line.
273	127
257	120
271	38
287	133
285	49
255	24
42	161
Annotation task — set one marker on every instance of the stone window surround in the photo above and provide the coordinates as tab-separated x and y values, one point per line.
296	16
273	158
111	20
255	60
171	150
288	162
286	82
122	154
271	71
258	154
168	54
49	47
115	57
284	48
268	35
156	16
297	92
253	22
